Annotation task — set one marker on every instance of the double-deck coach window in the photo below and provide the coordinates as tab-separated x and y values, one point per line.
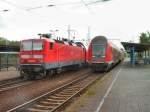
51	46
98	49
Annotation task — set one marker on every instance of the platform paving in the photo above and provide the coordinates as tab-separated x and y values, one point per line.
9	74
130	92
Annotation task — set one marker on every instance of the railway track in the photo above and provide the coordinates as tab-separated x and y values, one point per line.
13	83
9	80
58	98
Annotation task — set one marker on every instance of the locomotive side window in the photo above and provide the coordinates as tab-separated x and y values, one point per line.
51	45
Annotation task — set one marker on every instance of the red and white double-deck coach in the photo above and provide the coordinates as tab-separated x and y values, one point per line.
102	54
39	57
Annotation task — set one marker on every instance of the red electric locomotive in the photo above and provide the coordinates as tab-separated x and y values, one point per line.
102	54
39	57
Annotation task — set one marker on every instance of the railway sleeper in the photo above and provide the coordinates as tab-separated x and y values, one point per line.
44	107
36	110
62	95
57	97
55	101
50	103
76	88
72	90
67	93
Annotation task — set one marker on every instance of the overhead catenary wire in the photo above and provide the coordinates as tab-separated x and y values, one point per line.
96	2
12	4
86	5
53	5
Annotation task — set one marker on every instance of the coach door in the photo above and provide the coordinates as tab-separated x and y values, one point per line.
98	52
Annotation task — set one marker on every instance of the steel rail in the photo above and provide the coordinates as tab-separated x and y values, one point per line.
14	85
57	99
9	80
6	85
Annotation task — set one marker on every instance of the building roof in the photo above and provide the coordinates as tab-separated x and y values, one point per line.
137	46
8	48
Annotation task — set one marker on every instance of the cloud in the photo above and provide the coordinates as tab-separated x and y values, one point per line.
2	24
122	19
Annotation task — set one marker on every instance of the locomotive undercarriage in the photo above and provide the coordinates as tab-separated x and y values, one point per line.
32	71
37	71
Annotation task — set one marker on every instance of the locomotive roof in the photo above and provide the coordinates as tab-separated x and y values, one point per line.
62	41
9	48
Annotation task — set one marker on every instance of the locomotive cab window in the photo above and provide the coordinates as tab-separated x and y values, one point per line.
26	45
37	45
51	45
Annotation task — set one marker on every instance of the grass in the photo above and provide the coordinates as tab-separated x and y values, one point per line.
79	103
91	92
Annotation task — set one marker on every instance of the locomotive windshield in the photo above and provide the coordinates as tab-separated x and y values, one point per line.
27	45
37	45
32	45
98	50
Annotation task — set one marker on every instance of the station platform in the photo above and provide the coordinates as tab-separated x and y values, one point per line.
9	74
124	89
130	92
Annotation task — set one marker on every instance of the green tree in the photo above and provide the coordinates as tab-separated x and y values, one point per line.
145	37
4	41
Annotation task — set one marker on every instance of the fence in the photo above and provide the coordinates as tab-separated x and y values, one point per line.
9	60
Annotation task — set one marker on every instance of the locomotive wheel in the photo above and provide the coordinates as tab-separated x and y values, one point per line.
31	77
41	75
58	70
75	67
21	74
49	73
107	69
93	70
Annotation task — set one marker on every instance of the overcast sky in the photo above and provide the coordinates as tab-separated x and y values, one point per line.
116	19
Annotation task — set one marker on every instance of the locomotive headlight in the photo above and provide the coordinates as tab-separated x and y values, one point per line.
25	56
103	56
38	56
